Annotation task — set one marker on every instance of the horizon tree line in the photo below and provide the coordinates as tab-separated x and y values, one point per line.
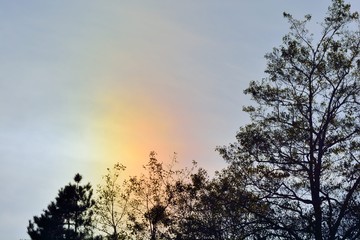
293	172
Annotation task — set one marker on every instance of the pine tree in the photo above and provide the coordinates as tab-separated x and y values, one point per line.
68	217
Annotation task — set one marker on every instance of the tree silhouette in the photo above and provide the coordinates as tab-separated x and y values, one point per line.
214	208
300	154
69	217
152	200
112	205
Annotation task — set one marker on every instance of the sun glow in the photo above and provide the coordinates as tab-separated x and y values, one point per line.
129	127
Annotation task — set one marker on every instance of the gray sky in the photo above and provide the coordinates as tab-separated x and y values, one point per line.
84	84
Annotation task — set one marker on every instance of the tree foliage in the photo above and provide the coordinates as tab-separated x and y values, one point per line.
294	172
112	204
300	154
68	217
214	208
153	199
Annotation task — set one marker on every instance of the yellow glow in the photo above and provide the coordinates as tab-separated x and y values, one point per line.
129	127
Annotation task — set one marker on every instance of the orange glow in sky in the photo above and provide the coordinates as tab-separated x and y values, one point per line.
129	128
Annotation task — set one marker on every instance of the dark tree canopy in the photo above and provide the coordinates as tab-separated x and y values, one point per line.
214	208
152	199
300	154
69	217
294	172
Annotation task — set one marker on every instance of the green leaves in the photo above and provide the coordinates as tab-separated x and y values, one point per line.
112	204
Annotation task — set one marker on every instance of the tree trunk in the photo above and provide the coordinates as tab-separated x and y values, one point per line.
317	204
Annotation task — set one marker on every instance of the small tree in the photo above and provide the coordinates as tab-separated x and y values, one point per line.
300	154
69	217
112	205
152	201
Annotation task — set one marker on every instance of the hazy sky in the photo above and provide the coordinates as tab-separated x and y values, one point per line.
84	84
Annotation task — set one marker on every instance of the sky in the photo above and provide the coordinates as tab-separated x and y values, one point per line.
86	84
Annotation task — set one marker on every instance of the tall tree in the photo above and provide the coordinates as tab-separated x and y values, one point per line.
69	217
112	204
300	154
